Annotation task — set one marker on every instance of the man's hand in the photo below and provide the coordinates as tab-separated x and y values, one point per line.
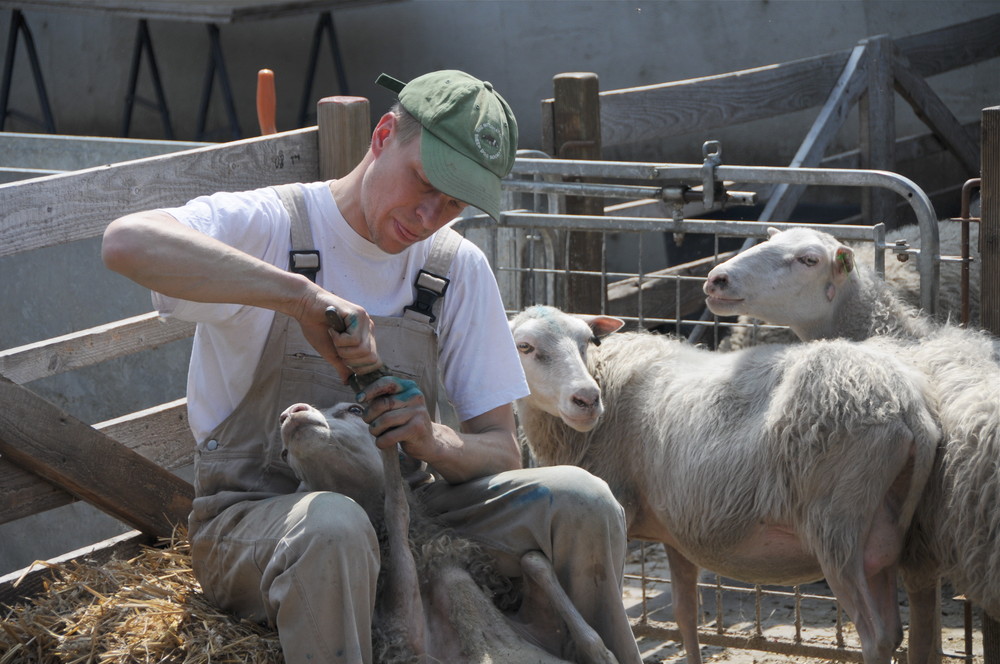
351	351
396	413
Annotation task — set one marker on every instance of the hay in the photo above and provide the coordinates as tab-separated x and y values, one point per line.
148	609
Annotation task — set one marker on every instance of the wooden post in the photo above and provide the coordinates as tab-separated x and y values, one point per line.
877	125
344	134
989	247
577	135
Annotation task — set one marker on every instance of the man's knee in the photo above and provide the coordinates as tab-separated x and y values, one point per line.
583	498
330	522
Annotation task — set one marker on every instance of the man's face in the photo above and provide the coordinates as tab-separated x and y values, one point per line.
399	203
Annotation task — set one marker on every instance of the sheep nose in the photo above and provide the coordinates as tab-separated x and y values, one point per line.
586	401
296	408
716	282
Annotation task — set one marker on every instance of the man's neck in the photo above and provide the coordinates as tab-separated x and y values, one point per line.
347	195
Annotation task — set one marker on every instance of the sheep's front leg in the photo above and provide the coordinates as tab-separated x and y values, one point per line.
543	594
684	586
401	593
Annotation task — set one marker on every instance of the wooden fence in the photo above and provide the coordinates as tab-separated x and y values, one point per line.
580	122
49	458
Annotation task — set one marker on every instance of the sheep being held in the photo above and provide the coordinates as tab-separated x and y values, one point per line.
439	596
777	464
810	281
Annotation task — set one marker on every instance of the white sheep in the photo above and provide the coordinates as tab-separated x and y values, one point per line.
902	276
777	464
439	596
808	280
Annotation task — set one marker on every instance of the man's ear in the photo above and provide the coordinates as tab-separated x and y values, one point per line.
382	131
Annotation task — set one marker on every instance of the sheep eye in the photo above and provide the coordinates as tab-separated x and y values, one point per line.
525	348
356	410
808	261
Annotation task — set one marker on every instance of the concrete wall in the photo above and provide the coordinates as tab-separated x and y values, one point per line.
518	45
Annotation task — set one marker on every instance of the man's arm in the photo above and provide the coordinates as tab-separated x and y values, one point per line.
158	252
486	444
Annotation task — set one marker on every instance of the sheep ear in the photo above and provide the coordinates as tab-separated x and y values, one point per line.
843	263
771	232
603	325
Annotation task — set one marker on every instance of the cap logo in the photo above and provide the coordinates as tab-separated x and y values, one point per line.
488	141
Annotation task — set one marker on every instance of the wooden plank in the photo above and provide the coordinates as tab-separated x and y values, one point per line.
23	584
933	113
989	227
844	95
877	131
92	346
960	45
654	112
908	148
71	153
160	434
649	113
40	437
79	205
193	11
578	136
344	134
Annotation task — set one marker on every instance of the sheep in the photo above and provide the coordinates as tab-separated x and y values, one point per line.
439	596
901	275
808	280
776	464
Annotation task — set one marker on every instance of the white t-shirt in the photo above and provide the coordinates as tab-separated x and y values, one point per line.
479	362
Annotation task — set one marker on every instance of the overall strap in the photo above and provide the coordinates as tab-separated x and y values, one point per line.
432	281
303	257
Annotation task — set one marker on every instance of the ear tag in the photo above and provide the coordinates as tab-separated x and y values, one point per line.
848	264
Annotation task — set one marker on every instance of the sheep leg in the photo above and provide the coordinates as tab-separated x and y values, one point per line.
543	594
866	585
684	588
924	639
401	604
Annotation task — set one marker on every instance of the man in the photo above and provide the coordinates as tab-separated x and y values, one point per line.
257	271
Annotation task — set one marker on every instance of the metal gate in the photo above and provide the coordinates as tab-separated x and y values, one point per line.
531	254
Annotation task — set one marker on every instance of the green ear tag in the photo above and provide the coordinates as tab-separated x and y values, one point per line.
848	265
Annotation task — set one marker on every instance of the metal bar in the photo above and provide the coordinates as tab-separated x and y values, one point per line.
657	629
20	26
310	73
927	259
144	43
8	65
720	226
217	64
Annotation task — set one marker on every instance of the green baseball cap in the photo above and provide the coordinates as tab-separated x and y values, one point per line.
469	135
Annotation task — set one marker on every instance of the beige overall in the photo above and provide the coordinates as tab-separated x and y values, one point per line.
307	563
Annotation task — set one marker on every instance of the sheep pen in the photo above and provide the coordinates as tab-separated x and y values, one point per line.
808	280
805	439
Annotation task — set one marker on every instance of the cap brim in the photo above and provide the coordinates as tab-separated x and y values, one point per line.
458	176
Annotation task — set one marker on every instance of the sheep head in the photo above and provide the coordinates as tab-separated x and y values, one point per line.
553	349
332	450
792	279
